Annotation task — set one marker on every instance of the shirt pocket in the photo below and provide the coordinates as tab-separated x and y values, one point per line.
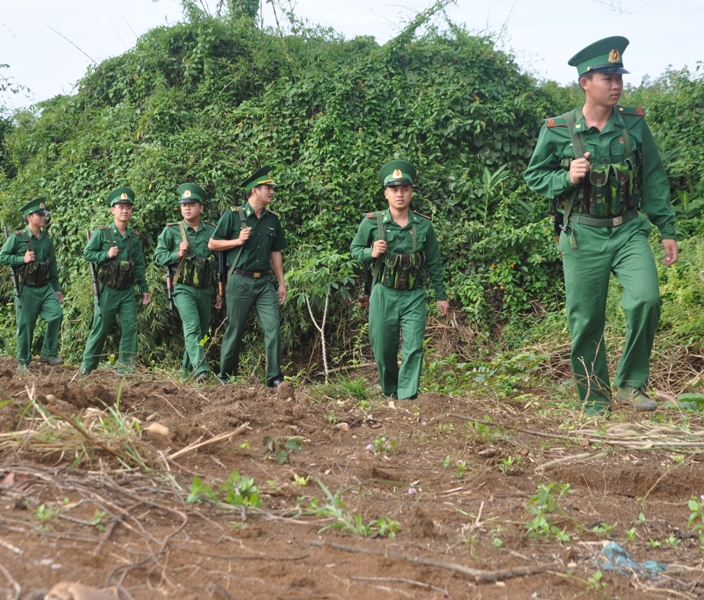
617	148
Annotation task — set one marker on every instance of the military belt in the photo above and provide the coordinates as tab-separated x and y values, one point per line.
604	221
254	274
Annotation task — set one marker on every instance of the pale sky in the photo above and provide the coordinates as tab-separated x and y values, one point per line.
543	34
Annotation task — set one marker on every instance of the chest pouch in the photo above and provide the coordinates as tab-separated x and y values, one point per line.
404	271
199	272
118	274
35	274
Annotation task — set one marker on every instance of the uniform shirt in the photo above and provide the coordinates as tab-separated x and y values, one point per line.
97	251
267	236
12	253
546	176
166	252
400	241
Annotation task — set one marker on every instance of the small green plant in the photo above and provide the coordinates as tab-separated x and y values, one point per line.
541	506
497	543
459	465
506	465
696	518
381	445
654	543
240	491
200	491
344	519
98	520
672	541
594	582
631	534
44	514
300	481
604	528
444	428
279	448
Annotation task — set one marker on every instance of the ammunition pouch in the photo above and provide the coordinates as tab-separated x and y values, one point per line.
117	274
403	271
610	190
199	272
35	274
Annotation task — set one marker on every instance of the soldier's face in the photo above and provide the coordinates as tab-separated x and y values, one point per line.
122	212
604	88
36	219
399	196
263	193
191	210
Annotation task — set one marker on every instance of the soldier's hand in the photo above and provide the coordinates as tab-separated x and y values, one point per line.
443	307
183	249
60	296
147	298
28	257
282	293
112	252
671	251
218	302
579	168
245	232
379	248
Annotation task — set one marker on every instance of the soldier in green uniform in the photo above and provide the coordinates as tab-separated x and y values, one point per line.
31	253
183	248
253	239
601	166
404	249
117	252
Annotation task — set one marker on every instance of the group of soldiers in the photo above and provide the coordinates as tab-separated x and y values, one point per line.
598	164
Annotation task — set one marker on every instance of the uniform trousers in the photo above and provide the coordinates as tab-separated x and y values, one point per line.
393	313
601	251
120	304
194	308
242	294
38	302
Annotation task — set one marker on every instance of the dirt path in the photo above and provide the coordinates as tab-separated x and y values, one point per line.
354	499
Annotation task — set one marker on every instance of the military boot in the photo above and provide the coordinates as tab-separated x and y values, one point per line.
23	366
51	360
636	398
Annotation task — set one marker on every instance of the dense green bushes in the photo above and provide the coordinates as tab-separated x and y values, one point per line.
213	98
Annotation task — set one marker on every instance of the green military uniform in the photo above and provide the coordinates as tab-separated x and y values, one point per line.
117	297
399	311
38	283
194	279
604	232
251	282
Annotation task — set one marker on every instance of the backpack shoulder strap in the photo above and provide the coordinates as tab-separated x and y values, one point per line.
578	145
27	240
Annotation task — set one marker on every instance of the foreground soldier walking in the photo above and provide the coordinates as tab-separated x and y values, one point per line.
404	250
31	253
183	247
253	239
601	166
117	251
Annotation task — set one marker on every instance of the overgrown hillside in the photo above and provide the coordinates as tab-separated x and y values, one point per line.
213	98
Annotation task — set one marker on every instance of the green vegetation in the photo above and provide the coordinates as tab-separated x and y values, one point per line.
213	97
236	491
542	506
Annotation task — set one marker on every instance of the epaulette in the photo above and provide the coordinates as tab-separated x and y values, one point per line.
171	225
209	223
272	212
136	233
17	232
371	215
631	111
424	216
555	122
102	228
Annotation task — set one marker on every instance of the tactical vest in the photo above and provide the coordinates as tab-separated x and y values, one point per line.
608	190
118	274
35	273
193	270
399	271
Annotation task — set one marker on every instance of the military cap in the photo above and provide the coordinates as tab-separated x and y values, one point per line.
604	56
397	172
190	192
261	177
122	195
36	205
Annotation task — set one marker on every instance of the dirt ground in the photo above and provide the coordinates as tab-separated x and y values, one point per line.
90	493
